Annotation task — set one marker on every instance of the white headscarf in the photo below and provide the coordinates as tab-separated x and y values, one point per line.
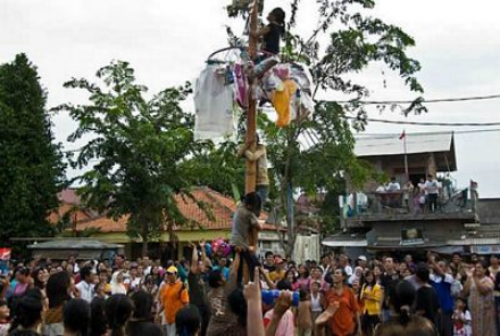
117	287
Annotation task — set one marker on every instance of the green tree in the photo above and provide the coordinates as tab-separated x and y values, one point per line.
314	154
138	146
31	168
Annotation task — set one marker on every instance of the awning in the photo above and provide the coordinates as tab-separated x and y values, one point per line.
332	242
485	249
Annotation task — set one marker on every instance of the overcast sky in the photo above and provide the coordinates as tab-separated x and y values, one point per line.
167	42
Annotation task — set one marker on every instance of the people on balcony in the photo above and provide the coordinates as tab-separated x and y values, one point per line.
432	187
393	185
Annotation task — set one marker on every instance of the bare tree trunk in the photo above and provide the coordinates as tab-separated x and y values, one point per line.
145	240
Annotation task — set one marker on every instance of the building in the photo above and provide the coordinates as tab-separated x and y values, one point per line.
376	220
204	227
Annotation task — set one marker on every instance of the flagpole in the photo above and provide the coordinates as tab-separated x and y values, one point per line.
406	156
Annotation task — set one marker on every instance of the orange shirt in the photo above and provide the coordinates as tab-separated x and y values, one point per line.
343	322
173	297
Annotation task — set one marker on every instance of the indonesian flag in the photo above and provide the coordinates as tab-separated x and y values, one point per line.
403	135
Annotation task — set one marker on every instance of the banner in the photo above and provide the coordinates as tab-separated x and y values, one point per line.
412	237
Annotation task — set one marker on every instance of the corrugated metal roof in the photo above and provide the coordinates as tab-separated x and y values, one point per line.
415	143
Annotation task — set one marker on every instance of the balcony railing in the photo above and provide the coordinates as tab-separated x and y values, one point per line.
396	204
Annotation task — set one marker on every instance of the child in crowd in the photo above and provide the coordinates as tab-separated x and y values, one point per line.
273	32
317	300
4	318
304	320
461	319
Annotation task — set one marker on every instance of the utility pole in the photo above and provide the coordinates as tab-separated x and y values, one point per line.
251	166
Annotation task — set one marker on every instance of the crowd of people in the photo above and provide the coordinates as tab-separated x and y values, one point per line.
205	296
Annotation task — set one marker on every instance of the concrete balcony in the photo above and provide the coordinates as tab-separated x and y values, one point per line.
399	206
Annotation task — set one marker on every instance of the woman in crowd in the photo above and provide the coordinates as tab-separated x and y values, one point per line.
40	276
117	285
303	281
479	289
22	281
403	322
377	273
346	320
371	296
58	293
76	318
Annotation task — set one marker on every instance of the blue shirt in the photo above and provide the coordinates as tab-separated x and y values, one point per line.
442	285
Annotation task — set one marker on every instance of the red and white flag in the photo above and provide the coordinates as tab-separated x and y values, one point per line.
403	135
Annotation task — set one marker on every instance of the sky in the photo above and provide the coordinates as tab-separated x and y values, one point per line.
168	41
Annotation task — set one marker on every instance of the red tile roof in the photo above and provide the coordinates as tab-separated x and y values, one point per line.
222	209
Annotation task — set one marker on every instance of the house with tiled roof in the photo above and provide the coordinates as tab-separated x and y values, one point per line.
202	226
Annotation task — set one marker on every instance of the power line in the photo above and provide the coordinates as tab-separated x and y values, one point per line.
423	101
391	135
417	123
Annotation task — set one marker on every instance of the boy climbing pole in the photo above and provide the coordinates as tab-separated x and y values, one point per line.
246	219
259	157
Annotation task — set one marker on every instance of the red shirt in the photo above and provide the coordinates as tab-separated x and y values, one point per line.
343	322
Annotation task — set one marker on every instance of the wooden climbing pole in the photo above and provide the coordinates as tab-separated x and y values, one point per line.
251	166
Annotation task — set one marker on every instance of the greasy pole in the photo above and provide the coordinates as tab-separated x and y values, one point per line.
251	166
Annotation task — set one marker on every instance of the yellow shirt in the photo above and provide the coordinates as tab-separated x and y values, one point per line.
371	299
277	276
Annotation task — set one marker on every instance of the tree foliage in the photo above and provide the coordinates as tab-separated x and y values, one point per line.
31	168
136	150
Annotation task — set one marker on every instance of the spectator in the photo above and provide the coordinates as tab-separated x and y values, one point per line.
58	293
479	289
442	282
362	262
388	281
141	323
173	296
344	264
303	281
77	317
4	317
279	272
427	300
99	324
269	262
494	268
371	297
393	185
223	321
27	315
461	319
346	320
432	192
118	310
188	321
402	322
86	285
197	286
22	281
117	285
